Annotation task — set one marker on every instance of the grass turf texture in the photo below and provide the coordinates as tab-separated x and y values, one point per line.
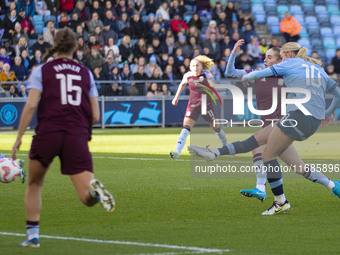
158	202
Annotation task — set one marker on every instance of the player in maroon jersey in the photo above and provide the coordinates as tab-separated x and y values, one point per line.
198	78
66	97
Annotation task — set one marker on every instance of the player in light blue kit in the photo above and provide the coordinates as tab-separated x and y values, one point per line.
302	72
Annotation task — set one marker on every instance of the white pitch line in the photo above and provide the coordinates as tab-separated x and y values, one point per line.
155	245
159	159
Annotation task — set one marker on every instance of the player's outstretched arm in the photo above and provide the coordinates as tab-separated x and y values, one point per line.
95	110
335	102
26	117
179	91
230	70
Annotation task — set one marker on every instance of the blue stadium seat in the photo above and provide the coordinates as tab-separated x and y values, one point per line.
311	20
296	10
260	18
281	9
307	3
304	33
257	9
336	32
304	43
275	29
273	20
314	30
333	10
329	43
316	42
300	19
320	9
50	17
338	42
335	20
320	2
31	42
330	53
257	2
326	32
332	2
324	19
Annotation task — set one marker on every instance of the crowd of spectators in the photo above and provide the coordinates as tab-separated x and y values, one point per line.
126	41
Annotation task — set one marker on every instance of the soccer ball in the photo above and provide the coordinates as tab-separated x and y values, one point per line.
9	170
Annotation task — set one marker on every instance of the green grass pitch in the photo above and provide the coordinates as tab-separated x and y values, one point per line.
162	210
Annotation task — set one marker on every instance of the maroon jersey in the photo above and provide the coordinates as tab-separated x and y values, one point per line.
264	96
195	90
65	99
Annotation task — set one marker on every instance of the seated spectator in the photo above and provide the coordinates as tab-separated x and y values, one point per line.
64	20
214	47
8	25
243	61
53	6
163	24
95	59
196	21
217	9
10	51
94	22
193	45
222	19
27	6
155	32
178	25
80	57
108	66
111	46
124	25
226	54
212	28
99	36
21	45
140	75
139	49
263	47
138	27
121	7
153	91
170	44
194	32
7	76
75	21
254	50
151	6
163	60
109	7
116	87
83	46
13	91
98	76
21	72
290	28
27	24
18	33
164	10
315	54
40	45
96	7
231	12
225	43
25	60
111	19
125	48
177	7
331	73
151	66
222	65
82	10
158	47
249	34
234	38
182	43
156	74
140	63
137	6
165	90
170	77
22	91
50	32
234	29
222	28
109	33
4	56
336	61
246	19
274	43
179	58
41	8
36	60
150	21
80	31
129	89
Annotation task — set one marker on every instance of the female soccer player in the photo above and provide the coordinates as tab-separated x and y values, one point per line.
198	77
66	97
298	70
263	92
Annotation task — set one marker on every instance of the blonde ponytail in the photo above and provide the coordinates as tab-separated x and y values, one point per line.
301	52
207	63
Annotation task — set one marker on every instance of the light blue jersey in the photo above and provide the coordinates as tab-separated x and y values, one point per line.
302	74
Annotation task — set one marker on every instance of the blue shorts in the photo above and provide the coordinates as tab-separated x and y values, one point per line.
298	126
